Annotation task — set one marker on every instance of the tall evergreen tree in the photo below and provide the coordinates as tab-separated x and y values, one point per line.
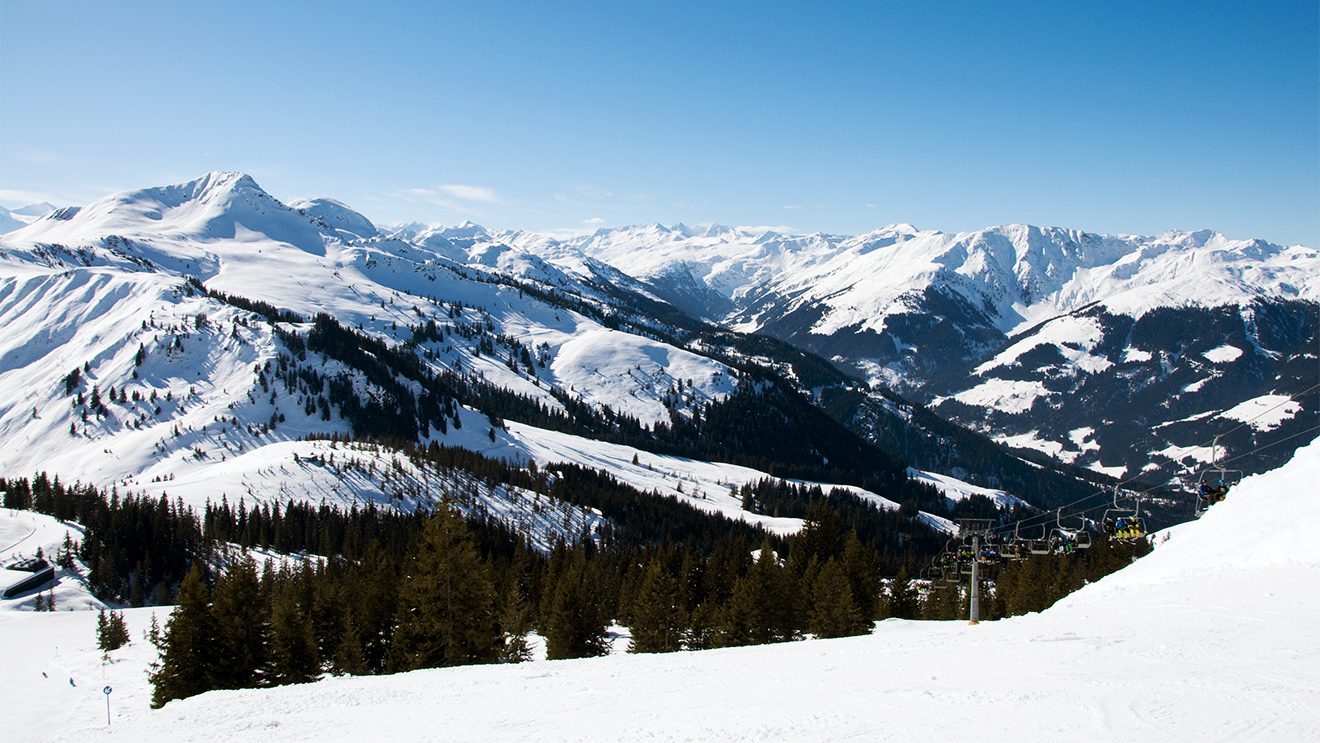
188	652
242	628
515	623
350	656
833	611
902	599
576	624
446	612
761	607
657	618
294	655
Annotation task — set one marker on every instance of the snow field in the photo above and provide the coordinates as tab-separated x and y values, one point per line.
1205	639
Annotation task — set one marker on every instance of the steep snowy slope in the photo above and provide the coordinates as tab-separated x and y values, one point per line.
1204	639
13	219
1030	334
124	363
8	223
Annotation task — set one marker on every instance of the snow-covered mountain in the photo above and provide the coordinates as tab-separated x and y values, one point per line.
1113	352
1118	353
13	219
189	338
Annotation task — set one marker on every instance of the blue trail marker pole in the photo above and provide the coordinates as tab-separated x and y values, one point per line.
107	691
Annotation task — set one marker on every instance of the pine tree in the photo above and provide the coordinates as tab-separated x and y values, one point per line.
446	605
834	614
294	655
861	566
515	623
349	656
111	630
576	625
657	617
188	647
902	599
102	631
943	601
761	607
243	629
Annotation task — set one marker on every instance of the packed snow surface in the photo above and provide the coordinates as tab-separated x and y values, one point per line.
1223	354
957	490
1205	639
1264	413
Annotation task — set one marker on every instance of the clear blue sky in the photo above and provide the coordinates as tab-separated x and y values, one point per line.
1108	116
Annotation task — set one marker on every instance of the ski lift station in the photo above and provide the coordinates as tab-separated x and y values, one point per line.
25	575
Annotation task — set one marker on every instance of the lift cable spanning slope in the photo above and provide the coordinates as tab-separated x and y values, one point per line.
969	554
1052	513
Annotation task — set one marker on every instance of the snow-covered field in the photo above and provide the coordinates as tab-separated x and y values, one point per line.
1209	638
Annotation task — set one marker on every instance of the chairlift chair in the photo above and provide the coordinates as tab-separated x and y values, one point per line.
1040	545
1213	483
1133	526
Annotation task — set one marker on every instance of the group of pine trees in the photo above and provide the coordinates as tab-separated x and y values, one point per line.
451	597
111	630
380	591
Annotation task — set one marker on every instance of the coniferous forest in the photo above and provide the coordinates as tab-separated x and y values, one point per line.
373	590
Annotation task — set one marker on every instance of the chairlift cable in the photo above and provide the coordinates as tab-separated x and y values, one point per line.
1057	512
1157	467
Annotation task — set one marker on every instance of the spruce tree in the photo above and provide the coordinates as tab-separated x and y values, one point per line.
761	608
242	628
576	624
902	599
657	617
834	614
515	623
943	601
861	566
111	630
188	647
102	631
446	610
349	655
294	655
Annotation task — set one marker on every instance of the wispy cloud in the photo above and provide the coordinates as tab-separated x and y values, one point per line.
595	197
38	157
481	194
594	221
455	197
19	197
782	229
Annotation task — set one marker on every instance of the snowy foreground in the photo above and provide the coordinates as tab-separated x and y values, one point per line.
1212	637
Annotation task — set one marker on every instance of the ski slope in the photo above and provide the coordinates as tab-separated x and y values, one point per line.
1205	639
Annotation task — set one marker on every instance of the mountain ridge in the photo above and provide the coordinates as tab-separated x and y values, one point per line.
949	319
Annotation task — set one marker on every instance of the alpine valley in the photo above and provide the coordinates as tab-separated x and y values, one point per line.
200	338
322	446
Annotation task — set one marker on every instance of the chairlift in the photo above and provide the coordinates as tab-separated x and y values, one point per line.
1124	524
1213	483
1064	537
1015	547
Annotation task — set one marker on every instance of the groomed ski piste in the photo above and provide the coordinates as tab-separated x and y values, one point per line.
1209	638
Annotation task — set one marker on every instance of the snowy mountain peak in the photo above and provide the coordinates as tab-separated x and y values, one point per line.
336	215
219	206
38	209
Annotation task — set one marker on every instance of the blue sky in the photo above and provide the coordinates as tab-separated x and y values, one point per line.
1111	117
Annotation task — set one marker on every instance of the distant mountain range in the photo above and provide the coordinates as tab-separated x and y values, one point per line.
190	312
